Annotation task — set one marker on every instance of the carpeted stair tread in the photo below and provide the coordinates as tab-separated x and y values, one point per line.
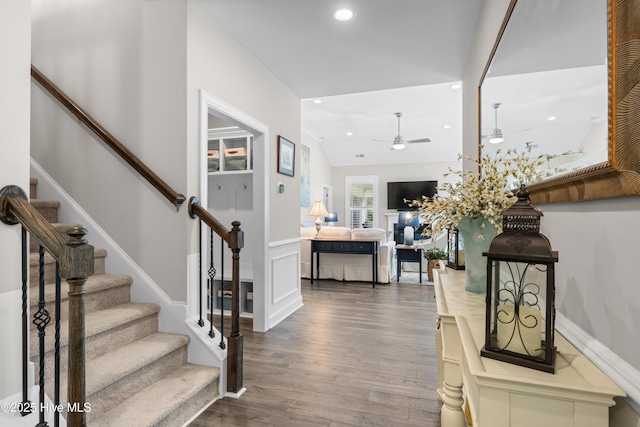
101	291
47	208
114	365
98	322
156	403
95	283
38	203
34	258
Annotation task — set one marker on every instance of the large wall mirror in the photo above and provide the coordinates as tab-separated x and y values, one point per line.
564	76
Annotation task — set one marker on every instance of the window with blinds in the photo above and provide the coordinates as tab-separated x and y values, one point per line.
361	201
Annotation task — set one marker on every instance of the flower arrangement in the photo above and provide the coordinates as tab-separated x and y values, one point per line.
485	196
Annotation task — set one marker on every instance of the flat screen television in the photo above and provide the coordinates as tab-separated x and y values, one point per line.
411	190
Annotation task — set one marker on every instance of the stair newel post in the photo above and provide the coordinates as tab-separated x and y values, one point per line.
235	348
76	266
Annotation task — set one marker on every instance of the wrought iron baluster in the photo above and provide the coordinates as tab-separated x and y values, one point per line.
200	321
26	404
212	274
56	386
222	345
41	319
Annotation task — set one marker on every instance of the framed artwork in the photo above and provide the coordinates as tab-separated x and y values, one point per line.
286	156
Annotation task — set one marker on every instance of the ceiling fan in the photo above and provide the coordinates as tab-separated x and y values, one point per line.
398	142
496	136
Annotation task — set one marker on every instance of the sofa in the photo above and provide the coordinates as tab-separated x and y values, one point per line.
351	267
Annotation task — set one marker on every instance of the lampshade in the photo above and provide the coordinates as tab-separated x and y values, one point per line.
408	219
318	209
331	217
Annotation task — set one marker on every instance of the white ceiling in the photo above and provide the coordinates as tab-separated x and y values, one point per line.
356	68
394	56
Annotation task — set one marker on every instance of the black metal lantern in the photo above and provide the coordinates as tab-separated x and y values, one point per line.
520	320
455	249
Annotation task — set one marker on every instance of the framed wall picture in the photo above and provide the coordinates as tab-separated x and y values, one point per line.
286	156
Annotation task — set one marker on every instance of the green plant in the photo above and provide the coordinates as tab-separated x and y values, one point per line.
435	253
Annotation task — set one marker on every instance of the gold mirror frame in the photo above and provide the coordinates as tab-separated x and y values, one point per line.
620	175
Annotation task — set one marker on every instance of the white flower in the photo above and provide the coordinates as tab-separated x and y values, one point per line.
485	196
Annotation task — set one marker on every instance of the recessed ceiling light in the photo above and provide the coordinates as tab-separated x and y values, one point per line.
456	86
349	133
317	101
343	15
551	118
447	126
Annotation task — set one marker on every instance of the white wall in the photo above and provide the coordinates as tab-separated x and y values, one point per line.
123	62
596	276
220	66
15	48
321	173
387	173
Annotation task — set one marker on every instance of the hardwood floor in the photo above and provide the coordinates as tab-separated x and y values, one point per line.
352	356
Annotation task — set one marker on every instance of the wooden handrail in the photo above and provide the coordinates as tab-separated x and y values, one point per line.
197	211
76	264
173	196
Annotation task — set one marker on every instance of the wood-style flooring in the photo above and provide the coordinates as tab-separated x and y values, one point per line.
352	356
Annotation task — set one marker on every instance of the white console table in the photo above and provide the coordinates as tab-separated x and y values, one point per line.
499	394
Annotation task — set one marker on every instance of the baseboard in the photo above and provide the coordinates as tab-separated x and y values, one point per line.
192	419
621	372
285	311
235	395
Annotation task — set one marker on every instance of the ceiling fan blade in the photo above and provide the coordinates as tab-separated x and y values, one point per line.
518	131
413	141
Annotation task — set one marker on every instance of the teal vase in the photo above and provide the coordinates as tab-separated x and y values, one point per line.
475	264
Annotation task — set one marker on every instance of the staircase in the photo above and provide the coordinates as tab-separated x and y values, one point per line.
135	375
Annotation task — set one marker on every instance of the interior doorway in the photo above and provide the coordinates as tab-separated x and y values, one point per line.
212	110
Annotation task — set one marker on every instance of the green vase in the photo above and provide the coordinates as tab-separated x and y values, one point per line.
475	264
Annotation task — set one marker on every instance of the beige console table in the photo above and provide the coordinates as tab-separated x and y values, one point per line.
500	394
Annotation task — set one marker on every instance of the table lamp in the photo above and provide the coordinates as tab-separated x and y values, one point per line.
318	210
409	221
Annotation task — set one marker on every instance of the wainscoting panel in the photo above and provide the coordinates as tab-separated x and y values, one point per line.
284	296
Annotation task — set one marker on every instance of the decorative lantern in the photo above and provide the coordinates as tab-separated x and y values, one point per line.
455	249
520	320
